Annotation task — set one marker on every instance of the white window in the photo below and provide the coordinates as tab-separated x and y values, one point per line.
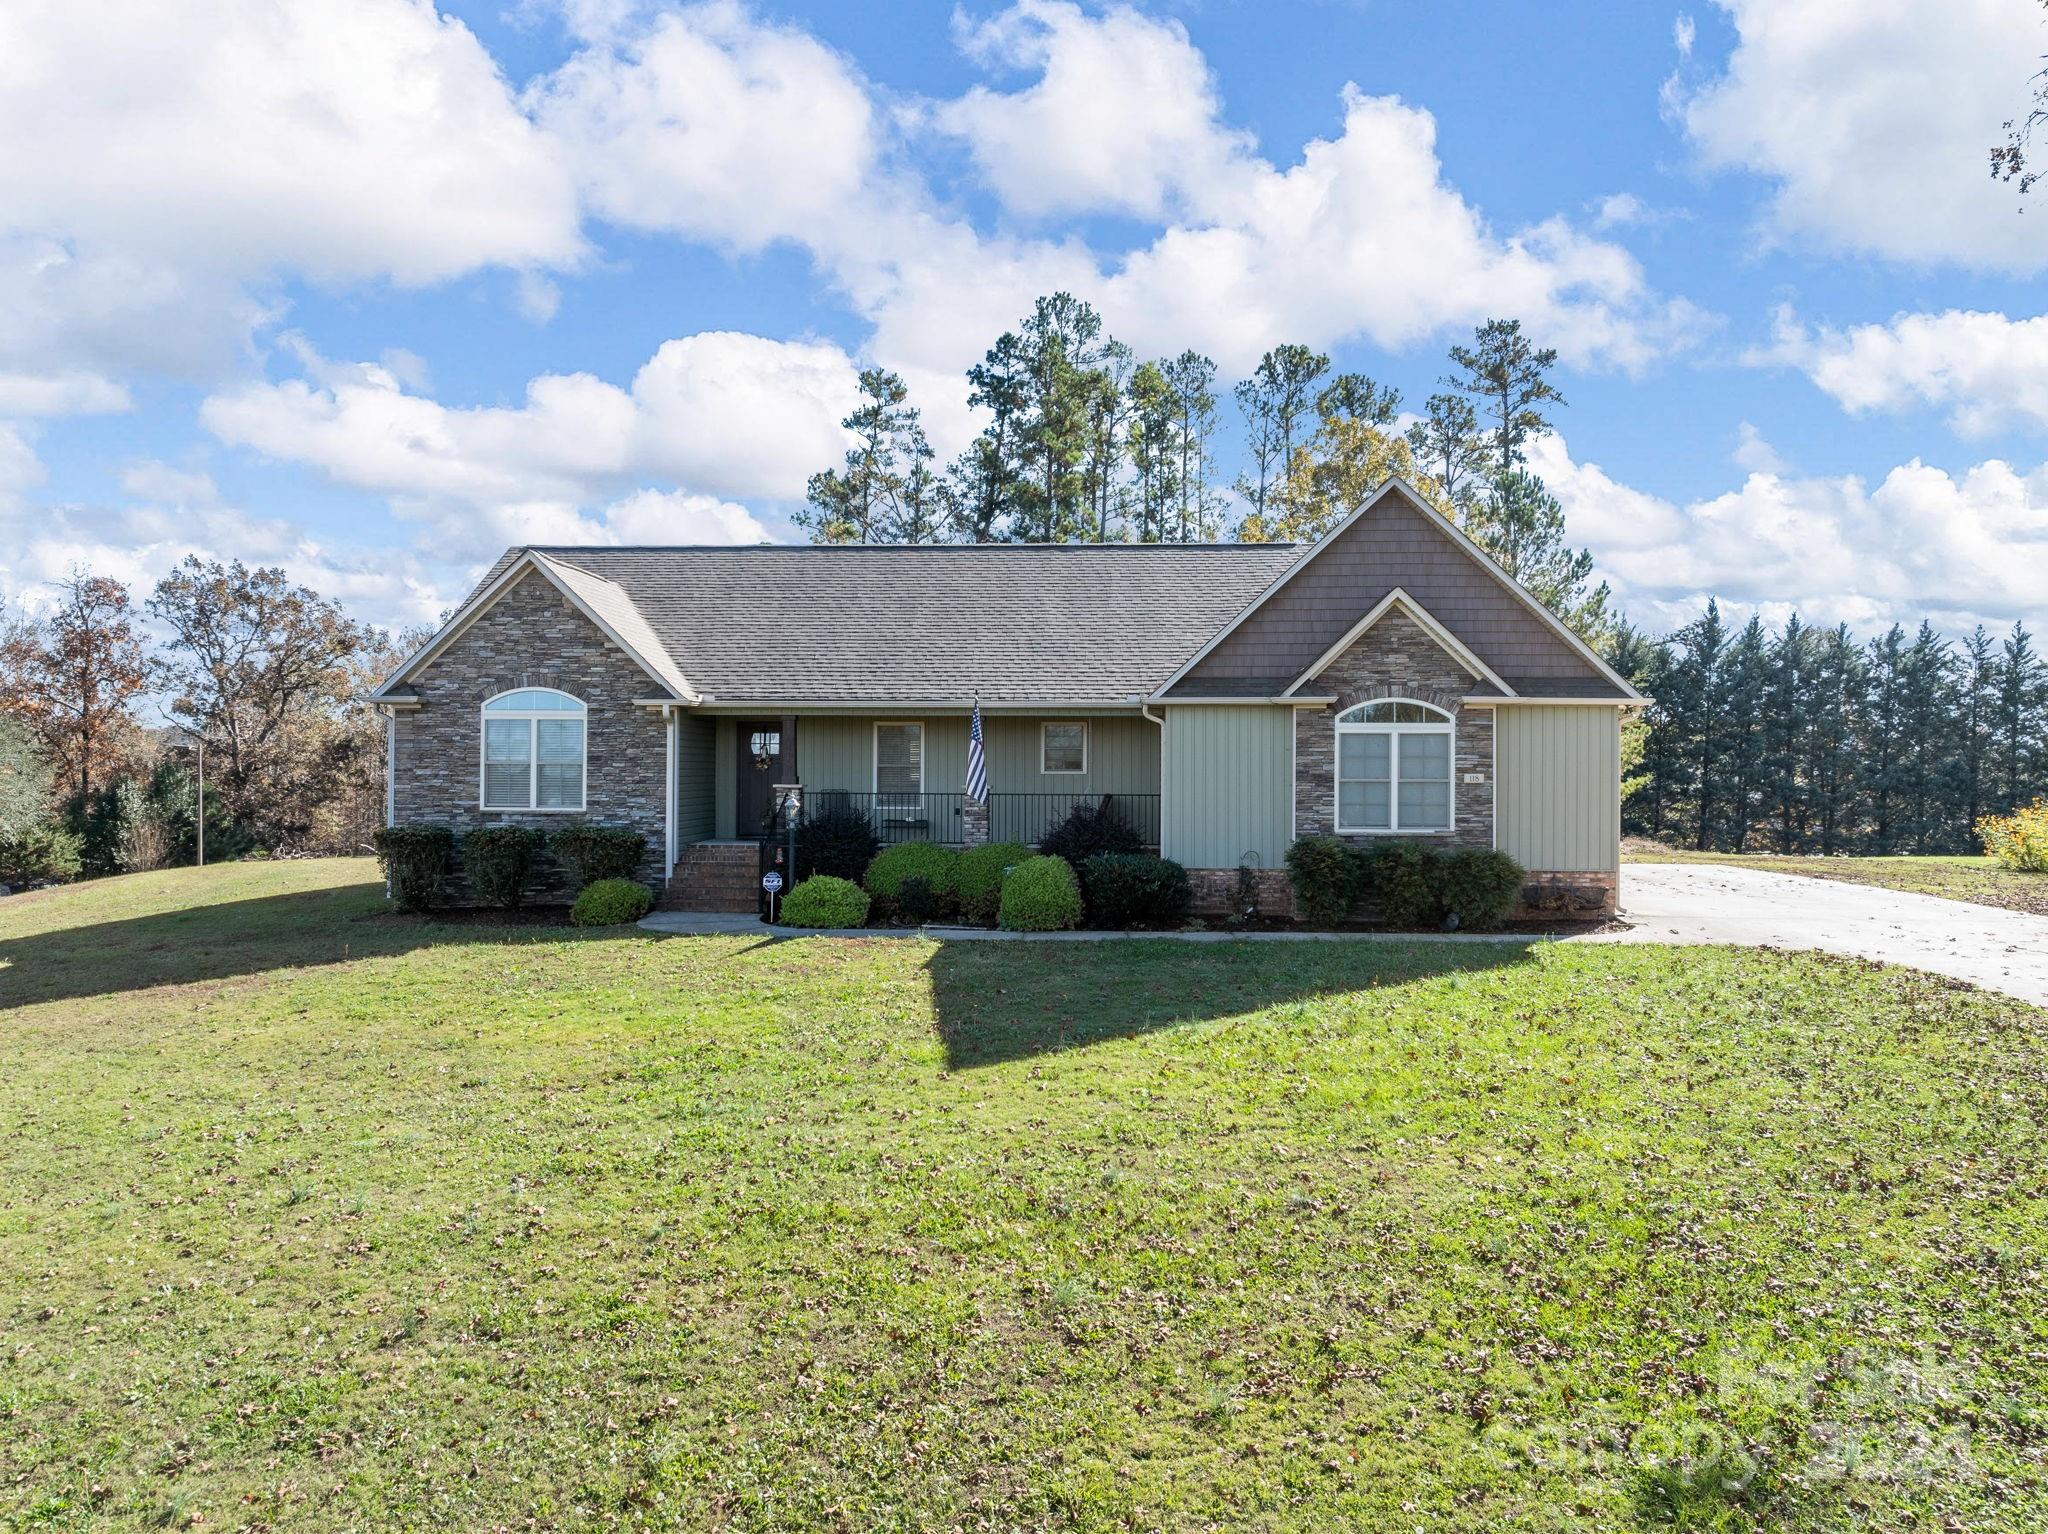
899	762
1394	767
534	751
1063	747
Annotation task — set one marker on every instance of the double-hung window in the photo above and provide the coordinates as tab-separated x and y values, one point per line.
899	766
1394	767
1063	747
534	751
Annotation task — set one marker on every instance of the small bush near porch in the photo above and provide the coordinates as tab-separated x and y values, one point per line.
315	1217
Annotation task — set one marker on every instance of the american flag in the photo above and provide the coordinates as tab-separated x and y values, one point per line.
977	764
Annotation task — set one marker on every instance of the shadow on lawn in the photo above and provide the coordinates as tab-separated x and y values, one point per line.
999	1002
229	940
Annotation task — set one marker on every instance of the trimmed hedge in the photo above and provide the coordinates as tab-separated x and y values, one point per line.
1407	883
928	861
497	860
610	902
1041	895
1128	889
839	841
824	900
590	853
978	879
1325	875
415	861
1480	887
1089	831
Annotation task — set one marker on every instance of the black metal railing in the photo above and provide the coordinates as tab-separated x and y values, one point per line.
894	817
1027	818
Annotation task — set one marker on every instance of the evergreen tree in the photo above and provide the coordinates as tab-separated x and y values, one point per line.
850	504
1977	721
2022	692
1155	458
1784	746
1192	379
1697	709
1448	448
1745	683
1883	743
1275	402
1928	711
983	484
1832	786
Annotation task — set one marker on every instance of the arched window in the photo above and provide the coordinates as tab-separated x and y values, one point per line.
534	750
1394	767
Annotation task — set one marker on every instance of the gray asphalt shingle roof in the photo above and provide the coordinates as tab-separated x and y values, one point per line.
1011	622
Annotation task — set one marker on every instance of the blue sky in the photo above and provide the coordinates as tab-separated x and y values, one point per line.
372	291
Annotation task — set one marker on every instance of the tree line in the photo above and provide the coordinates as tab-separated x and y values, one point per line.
1803	740
262	675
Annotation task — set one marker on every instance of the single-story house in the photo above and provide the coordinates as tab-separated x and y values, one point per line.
1387	680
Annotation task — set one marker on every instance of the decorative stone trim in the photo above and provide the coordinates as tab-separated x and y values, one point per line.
1395	658
533	637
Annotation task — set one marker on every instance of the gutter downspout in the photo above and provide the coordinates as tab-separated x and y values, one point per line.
1145	712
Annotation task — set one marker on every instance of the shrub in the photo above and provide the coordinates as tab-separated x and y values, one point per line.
609	902
415	861
928	861
824	900
978	879
917	902
1325	876
838	840
1407	882
1041	895
2018	841
1089	831
1480	887
40	851
589	853
497	860
1129	889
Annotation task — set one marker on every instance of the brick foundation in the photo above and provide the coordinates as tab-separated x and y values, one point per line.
1216	893
1567	896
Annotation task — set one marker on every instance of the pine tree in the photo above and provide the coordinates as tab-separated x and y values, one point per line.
849	504
1275	402
2022	694
1884	744
1787	723
1832	785
1976	720
1746	673
1698	710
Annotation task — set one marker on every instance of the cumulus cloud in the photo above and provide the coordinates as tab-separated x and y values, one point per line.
1872	119
156	173
1124	117
72	391
719	415
1752	452
1960	548
1987	371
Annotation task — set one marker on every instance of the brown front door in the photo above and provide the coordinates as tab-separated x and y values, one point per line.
759	742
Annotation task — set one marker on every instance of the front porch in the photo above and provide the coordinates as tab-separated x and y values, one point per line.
904	772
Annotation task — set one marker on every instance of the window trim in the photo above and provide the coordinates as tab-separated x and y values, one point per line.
531	718
1445	724
875	757
1063	772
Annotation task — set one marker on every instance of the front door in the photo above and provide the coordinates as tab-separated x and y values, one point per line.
759	742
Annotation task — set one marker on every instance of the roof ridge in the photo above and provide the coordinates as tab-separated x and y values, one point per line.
557	549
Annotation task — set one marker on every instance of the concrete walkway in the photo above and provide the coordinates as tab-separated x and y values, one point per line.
1660	903
1712	903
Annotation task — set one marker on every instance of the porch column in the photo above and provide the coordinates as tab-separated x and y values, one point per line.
973	821
672	727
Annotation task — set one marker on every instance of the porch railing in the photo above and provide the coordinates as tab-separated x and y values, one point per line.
1027	817
1022	818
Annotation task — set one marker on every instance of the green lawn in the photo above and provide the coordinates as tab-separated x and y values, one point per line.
314	1218
1978	880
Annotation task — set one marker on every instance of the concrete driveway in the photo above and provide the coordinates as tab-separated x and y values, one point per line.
1709	903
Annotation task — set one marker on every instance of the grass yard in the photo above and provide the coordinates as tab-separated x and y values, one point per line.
315	1218
1977	880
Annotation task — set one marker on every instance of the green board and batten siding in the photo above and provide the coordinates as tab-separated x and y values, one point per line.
1123	755
696	775
1558	797
1229	784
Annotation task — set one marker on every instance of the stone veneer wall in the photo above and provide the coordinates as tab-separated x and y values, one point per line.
533	637
1395	658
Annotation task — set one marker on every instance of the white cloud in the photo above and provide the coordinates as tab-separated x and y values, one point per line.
1874	119
1988	372
714	126
1124	115
1752	452
70	392
1959	548
157	171
720	415
672	516
157	482
1683	35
